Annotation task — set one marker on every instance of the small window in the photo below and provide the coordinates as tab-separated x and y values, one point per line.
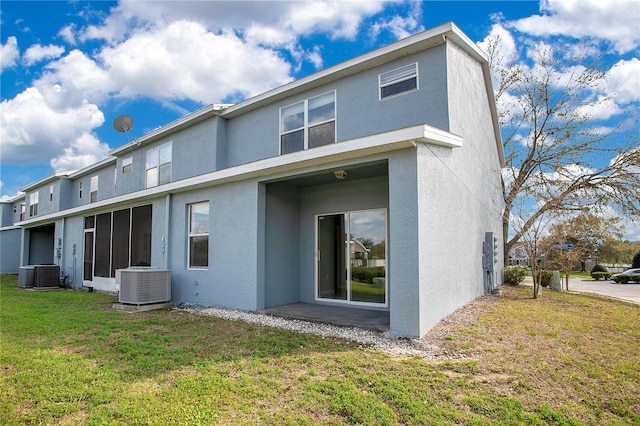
308	124
199	235
80	190
51	193
33	203
22	211
158	165
399	81
94	189
127	165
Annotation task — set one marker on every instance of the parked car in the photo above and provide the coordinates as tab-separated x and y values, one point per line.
616	277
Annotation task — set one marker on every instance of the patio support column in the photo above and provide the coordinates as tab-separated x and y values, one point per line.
404	245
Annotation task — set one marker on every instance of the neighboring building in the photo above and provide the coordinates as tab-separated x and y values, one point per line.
11	212
389	161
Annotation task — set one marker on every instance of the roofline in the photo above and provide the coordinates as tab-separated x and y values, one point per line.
398	49
12	200
92	167
45	180
172	127
401	48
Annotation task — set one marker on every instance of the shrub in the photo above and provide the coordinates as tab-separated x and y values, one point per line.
544	277
514	274
635	263
599	268
366	275
600	275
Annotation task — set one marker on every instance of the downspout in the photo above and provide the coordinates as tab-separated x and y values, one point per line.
61	248
165	238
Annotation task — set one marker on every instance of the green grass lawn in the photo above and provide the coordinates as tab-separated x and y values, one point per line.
67	358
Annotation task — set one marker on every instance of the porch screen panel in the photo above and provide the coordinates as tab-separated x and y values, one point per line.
87	273
102	267
141	219
120	250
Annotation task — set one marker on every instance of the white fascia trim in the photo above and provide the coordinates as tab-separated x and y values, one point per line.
355	148
9	228
93	167
46	180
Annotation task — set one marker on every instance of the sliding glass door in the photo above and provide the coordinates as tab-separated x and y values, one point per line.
351	257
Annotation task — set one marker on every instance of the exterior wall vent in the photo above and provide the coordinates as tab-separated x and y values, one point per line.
139	286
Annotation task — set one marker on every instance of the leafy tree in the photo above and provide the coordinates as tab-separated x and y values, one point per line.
614	250
549	140
586	233
636	261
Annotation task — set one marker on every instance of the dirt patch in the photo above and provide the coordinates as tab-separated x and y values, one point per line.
466	316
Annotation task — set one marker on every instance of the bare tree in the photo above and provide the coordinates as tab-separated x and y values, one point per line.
551	143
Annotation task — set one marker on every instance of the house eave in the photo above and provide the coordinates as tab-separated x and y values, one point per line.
263	169
48	179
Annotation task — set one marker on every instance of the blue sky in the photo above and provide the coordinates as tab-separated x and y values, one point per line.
68	69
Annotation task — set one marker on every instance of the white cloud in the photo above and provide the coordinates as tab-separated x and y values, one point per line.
184	61
32	131
400	26
601	109
68	34
84	150
37	53
9	54
623	81
615	21
315	57
74	79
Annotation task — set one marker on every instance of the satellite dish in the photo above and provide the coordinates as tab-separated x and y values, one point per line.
123	124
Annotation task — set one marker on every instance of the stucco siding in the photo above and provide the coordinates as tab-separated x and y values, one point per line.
282	244
404	245
230	279
10	243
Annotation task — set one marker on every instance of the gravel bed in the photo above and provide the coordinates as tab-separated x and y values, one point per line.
366	339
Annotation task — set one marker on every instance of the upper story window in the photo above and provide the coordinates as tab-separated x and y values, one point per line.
94	189
22	210
51	193
80	189
401	80
33	203
158	165
199	235
127	165
309	123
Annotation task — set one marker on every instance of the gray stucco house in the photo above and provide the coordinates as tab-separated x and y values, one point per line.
372	184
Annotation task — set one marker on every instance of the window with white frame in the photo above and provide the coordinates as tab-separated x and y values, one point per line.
127	164
308	123
33	203
94	189
51	193
80	189
401	80
198	256
158	165
22	210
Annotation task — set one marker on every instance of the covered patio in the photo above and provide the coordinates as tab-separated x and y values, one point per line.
335	315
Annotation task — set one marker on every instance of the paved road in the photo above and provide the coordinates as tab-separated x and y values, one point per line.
629	292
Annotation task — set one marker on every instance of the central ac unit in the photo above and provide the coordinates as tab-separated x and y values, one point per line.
139	286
